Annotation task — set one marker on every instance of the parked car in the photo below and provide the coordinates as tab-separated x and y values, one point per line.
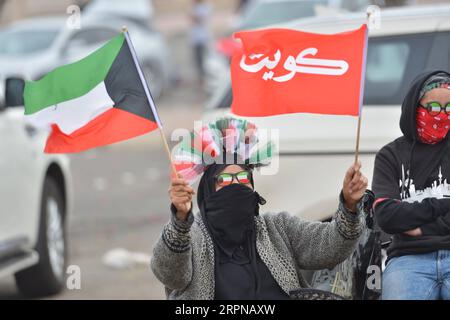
316	150
267	12
139	11
32	48
261	13
256	14
35	203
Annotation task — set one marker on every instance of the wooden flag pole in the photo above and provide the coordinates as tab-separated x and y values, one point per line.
149	98
358	133
363	74
166	146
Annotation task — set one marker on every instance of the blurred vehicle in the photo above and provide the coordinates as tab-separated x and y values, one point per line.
217	71
316	150
255	14
261	13
267	12
139	11
35	202
32	48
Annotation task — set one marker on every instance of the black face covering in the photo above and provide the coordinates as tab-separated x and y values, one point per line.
229	217
230	213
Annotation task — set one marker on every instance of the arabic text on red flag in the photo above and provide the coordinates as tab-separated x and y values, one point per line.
279	71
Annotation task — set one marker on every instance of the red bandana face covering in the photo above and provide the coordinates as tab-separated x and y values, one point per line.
431	129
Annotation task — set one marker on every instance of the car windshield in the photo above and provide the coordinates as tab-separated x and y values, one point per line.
279	11
22	42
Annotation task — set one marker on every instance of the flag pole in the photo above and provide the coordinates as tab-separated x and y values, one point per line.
358	133
149	98
361	92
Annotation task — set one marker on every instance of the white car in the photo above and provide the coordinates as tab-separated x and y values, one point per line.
256	14
267	12
32	48
316	150
259	13
35	202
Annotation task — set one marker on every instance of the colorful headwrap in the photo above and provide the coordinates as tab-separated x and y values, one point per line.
440	80
432	129
225	141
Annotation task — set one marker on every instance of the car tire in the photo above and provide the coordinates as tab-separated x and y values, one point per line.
155	78
48	276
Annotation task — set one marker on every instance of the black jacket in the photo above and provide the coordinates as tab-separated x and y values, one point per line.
411	182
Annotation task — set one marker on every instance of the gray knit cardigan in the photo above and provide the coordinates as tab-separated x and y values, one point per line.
183	257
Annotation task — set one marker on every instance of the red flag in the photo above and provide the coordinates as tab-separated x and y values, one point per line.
281	71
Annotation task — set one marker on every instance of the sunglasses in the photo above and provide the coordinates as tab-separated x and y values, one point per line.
434	108
225	179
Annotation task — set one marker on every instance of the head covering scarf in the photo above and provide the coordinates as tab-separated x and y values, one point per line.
432	129
428	157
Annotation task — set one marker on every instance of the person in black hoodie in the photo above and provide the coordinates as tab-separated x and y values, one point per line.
411	182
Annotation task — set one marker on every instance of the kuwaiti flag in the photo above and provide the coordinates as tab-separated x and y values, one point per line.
280	71
96	101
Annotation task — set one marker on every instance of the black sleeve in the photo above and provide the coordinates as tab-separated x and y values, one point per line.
440	227
396	216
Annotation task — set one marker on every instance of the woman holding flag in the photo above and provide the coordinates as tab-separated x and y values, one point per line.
231	251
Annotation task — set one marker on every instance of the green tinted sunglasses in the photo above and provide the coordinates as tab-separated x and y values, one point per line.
434	108
225	179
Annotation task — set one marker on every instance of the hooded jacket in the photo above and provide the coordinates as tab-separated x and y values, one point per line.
411	182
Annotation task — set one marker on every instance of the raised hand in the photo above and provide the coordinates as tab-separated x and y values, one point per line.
181	196
355	184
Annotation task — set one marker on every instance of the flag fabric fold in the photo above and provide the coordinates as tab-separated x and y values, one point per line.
280	71
96	101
